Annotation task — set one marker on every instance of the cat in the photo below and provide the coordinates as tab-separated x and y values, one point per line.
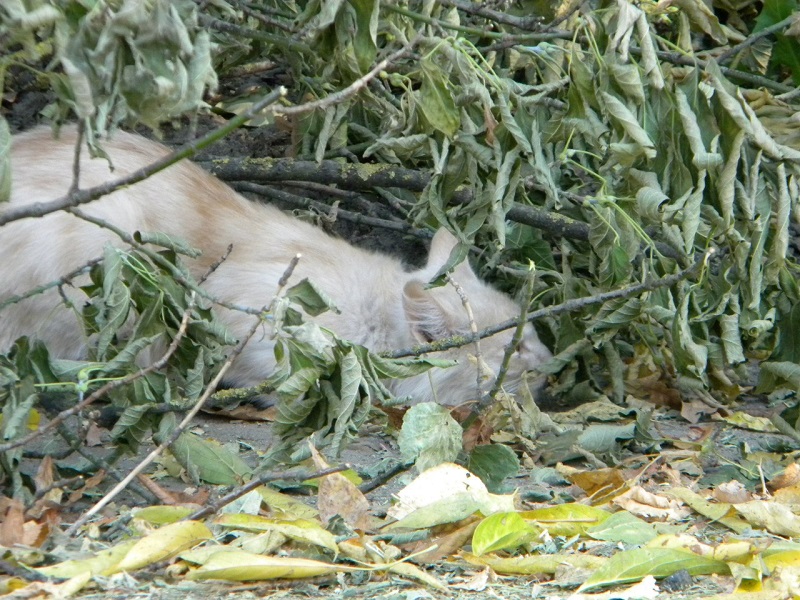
383	306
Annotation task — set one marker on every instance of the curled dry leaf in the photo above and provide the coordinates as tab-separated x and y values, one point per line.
337	495
790	476
651	506
731	492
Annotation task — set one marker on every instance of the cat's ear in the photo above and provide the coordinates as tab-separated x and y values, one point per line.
442	247
426	317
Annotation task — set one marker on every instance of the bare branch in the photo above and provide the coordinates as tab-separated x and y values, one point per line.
40	209
551	311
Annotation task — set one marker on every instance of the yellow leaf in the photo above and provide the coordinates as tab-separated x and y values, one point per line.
716	512
300	530
530	564
244	566
413	572
789	558
775	518
682	541
100	563
292	507
745	421
566	519
162	544
162	515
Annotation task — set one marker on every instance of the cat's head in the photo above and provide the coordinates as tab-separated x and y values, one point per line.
437	313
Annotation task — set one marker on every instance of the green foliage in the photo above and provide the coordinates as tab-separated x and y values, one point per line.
429	436
118	59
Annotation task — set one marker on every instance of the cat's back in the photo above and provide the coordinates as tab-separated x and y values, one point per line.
42	165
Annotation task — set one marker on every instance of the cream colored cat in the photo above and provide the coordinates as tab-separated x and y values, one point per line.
382	306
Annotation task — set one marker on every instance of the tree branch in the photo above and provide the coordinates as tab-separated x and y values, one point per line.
565	307
76	198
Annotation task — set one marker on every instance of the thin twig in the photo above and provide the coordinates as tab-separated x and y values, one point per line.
130	476
473	328
525	23
76	159
102	391
354	217
181	427
551	311
753	38
39	209
258	482
384	477
245	32
348	92
519	332
46	286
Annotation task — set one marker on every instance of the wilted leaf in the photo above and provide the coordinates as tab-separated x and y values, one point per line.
429	436
535	564
410	571
102	562
300	530
161	515
444	494
163	543
775	518
244	566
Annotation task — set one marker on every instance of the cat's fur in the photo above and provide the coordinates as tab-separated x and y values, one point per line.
382	306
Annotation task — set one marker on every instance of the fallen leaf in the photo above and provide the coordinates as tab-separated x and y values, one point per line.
635	565
300	530
731	492
244	566
337	495
566	519
775	518
502	531
446	493
642	503
789	477
162	544
532	564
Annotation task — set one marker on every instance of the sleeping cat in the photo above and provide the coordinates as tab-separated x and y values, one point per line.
383	306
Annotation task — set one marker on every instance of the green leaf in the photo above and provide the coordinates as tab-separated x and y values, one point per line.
165	241
210	460
436	101
502	531
429	436
623	527
635	565
313	300
493	463
366	34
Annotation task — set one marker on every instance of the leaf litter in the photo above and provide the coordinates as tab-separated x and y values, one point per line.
616	493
